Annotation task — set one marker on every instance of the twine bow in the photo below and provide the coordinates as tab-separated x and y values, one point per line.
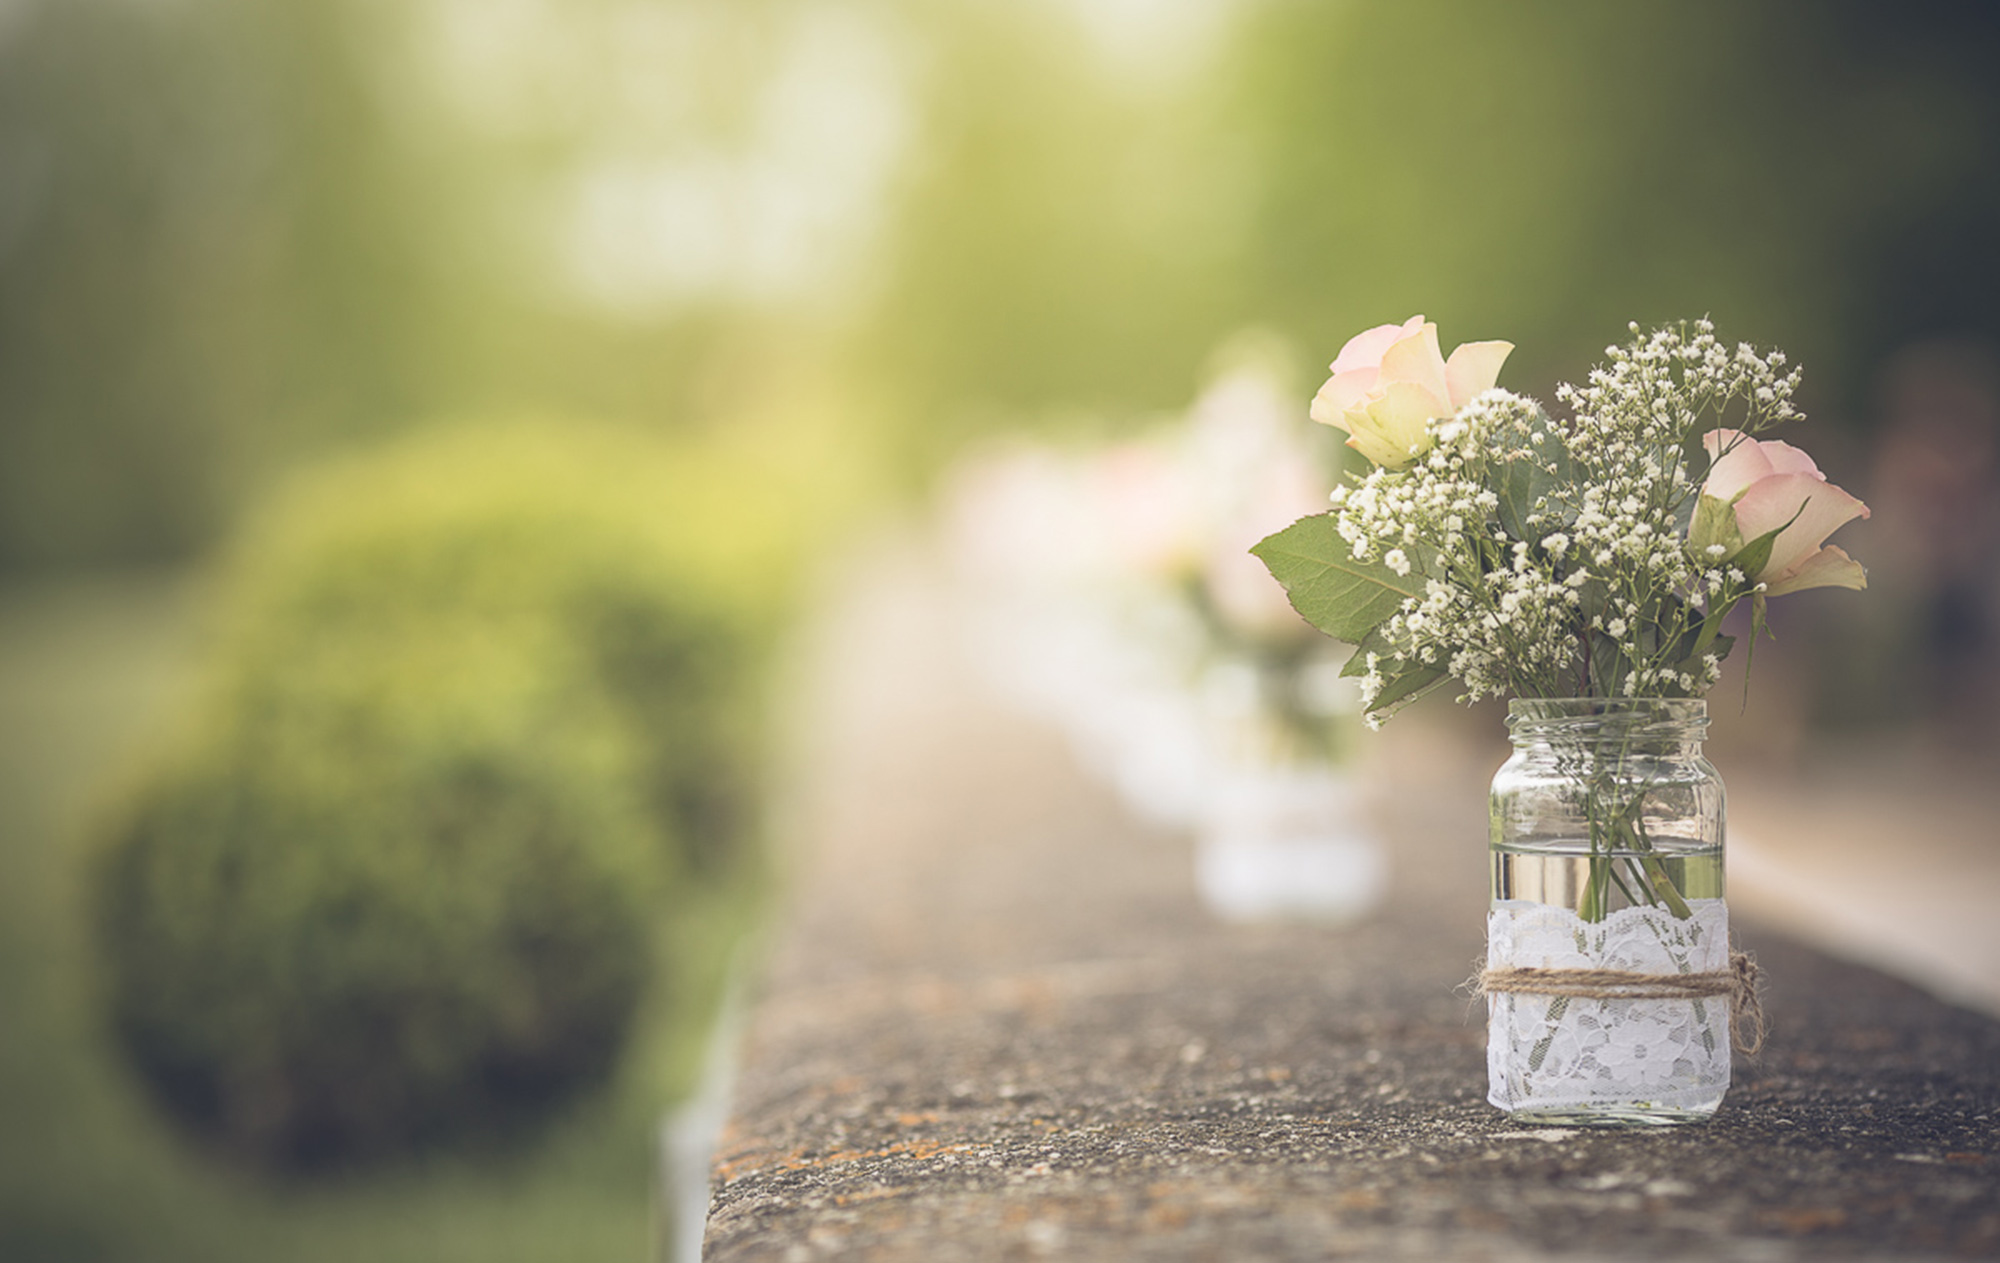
1738	982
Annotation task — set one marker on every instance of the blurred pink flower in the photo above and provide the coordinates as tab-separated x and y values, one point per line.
1390	382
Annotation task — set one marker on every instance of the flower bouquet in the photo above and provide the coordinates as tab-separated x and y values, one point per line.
1584	566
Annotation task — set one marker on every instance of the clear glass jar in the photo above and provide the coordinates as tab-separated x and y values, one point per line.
1606	846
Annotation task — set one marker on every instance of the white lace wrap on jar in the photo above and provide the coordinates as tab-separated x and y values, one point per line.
1565	1052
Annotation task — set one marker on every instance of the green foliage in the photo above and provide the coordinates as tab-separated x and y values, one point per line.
485	713
375	915
1527	481
1569	167
1347	599
1058	248
1342	597
657	576
217	247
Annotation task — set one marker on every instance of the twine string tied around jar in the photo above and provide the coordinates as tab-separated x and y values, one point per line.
1738	982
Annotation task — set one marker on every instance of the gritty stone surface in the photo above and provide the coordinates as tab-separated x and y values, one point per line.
998	1024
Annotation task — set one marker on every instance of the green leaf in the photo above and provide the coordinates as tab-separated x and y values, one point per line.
1684	516
1607	666
1755	555
1713	522
1524	481
1708	642
1342	597
1513	482
1408	686
1357	662
1758	630
1592	598
1401	685
1710	626
1694	457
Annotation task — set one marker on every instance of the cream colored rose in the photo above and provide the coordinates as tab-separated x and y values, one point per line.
1389	383
1768	484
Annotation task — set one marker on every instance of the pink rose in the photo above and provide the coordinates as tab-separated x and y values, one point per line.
1769	484
1389	383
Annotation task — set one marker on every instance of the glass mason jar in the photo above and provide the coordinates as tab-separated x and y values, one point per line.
1607	833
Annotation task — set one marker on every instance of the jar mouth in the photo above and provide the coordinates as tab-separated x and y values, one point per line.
1571	707
1685	716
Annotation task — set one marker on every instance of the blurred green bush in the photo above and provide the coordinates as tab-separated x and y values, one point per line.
486	711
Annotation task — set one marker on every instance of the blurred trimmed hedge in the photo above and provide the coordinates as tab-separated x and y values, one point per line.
486	710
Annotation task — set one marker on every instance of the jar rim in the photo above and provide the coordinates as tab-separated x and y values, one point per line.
1668	709
1684	718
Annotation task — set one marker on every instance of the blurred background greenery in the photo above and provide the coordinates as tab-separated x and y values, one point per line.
811	248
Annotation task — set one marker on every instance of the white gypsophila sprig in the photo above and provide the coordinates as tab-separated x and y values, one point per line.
1657	389
1637	423
1493	615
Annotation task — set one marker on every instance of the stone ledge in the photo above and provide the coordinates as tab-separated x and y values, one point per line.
1293	1120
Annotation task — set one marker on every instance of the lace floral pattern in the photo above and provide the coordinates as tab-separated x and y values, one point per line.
1547	1053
